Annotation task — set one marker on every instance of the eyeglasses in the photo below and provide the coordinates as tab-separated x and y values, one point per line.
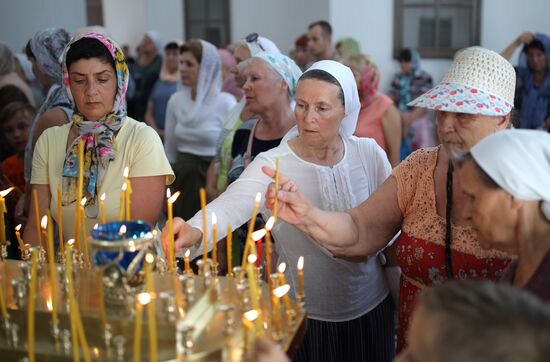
253	38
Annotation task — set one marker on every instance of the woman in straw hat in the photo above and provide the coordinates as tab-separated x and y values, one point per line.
507	175
422	197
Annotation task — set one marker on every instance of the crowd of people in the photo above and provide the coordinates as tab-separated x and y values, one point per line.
447	182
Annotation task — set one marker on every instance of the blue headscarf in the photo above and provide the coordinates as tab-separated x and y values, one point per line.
535	105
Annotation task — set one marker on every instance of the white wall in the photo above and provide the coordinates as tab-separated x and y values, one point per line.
125	21
281	21
20	19
166	17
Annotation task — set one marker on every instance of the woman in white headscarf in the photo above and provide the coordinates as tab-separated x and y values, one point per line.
350	313
194	118
506	176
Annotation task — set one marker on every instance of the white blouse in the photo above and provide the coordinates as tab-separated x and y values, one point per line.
335	290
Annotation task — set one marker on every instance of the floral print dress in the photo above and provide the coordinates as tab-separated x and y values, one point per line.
421	245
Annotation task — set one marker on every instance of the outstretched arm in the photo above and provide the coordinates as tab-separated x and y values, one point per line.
358	232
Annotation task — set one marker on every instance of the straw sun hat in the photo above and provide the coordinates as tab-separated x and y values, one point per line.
479	81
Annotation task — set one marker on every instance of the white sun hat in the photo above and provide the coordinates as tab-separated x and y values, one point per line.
479	81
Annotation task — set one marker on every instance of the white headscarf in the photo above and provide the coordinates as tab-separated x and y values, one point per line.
156	39
519	162
209	83
255	48
352	105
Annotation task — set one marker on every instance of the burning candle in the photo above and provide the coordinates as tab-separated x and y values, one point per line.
268	226
47	225
277	294
142	299
3	211
229	251
102	208
257	238
18	236
254	291
248	319
37	215
79	191
300	276
150	287
282	268
122	197
128	193
188	270
202	194
214	240
31	304
248	242
60	217
171	246
276	201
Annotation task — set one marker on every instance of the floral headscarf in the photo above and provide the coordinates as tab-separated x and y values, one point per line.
369	77
284	66
96	135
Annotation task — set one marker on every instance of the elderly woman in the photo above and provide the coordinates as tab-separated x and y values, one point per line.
422	198
216	179
194	118
350	313
96	77
506	176
378	118
533	79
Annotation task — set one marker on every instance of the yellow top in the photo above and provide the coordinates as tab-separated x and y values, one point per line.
138	146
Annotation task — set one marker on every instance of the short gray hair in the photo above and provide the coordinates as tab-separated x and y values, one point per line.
485	321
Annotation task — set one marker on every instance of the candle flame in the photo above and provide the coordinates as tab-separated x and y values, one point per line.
251	315
144	298
187	253
18	227
70	242
95	350
49	304
126	172
300	263
174	197
124	186
149	258
44	222
168	193
258	197
102	197
281	291
214	219
265	325
83	201
252	258
269	223
258	234
122	230
96	226
182	312
5	192
282	267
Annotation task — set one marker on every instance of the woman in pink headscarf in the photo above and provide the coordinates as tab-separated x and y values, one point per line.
378	118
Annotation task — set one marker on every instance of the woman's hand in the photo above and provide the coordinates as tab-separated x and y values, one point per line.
526	37
292	206
185	236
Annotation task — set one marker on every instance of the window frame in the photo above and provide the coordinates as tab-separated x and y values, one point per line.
189	21
399	9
